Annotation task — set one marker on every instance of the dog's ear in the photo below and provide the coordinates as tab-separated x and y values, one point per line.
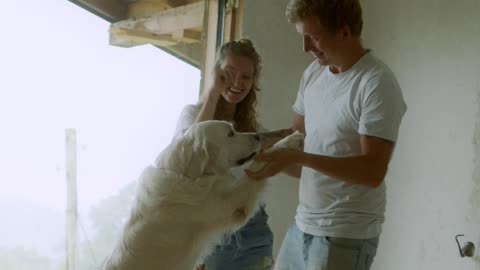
217	163
207	158
195	156
197	163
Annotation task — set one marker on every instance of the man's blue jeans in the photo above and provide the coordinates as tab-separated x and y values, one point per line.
302	251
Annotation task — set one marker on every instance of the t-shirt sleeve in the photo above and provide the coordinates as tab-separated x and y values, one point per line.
298	106
383	108
186	119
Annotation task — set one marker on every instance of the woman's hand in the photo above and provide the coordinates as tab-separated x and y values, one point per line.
222	80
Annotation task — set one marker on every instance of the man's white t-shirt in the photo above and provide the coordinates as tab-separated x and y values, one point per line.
338	109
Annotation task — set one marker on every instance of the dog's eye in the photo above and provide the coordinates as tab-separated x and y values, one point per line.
231	133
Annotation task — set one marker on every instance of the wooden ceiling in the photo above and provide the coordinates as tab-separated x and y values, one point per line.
176	26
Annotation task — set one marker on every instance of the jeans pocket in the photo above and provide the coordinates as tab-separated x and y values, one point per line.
342	255
254	236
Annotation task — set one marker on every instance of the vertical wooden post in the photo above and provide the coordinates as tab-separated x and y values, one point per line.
237	20
211	20
71	213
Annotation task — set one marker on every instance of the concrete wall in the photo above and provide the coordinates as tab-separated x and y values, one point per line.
434	178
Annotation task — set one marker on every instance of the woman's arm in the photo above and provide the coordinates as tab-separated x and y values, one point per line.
221	81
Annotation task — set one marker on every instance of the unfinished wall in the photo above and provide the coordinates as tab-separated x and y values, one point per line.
433	184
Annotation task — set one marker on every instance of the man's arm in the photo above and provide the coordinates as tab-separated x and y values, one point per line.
369	168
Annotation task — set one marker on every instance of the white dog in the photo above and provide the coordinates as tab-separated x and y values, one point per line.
190	198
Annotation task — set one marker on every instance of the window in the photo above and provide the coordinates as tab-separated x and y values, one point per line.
59	72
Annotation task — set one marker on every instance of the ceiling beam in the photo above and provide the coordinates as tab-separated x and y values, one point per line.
110	10
182	22
141	37
178	3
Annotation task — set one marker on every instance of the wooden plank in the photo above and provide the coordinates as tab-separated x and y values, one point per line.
188	36
172	20
146	8
178	3
111	10
139	37
211	44
167	21
233	20
237	28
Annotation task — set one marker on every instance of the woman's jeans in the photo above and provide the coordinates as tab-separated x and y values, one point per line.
249	248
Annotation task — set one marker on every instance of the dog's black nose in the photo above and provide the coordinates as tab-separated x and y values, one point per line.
257	137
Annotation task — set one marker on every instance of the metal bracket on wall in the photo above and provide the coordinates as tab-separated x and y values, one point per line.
468	248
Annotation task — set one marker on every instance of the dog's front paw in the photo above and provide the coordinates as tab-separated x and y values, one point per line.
294	141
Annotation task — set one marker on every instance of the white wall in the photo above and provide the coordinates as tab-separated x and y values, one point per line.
283	64
433	193
434	178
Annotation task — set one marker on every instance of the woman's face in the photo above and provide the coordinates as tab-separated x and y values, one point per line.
241	70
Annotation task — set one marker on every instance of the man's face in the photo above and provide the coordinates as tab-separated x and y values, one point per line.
323	45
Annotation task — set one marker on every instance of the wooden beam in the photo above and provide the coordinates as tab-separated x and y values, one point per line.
138	37
175	19
211	44
178	3
188	36
233	20
238	18
110	10
167	21
146	8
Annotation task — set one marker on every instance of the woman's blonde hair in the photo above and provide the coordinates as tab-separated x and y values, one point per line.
244	119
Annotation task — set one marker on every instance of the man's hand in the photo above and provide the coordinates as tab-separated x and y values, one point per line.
276	161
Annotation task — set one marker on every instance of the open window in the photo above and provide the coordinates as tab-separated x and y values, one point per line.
73	107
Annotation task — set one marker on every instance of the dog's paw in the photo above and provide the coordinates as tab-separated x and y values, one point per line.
294	141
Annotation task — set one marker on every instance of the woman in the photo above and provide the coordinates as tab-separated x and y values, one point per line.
232	97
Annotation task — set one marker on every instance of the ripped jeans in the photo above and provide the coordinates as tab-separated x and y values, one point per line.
249	248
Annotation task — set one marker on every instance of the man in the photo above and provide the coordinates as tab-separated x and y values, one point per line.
350	107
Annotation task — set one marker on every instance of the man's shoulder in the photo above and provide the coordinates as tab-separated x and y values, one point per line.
374	67
313	72
313	68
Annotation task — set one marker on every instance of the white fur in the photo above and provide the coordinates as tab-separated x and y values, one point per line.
189	199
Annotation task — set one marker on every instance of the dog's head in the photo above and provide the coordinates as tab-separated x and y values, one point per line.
213	147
